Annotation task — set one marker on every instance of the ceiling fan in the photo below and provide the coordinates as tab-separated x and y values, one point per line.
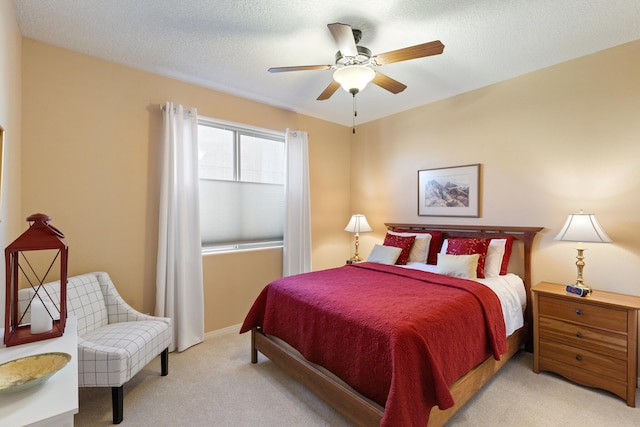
353	63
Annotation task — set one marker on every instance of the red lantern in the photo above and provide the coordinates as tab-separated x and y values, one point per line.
48	316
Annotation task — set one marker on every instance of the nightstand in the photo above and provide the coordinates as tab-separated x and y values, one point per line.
590	340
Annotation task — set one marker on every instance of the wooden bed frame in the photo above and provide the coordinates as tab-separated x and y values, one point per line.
364	412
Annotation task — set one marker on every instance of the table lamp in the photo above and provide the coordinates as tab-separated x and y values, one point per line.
581	228
357	224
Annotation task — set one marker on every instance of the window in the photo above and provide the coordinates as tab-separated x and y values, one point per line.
241	173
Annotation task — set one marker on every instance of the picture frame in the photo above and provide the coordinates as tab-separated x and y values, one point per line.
449	191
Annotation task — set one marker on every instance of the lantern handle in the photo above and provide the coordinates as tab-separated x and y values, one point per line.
39	218
42	220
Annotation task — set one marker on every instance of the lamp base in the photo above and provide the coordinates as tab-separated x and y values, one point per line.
580	291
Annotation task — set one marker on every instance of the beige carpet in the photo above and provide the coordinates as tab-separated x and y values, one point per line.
214	384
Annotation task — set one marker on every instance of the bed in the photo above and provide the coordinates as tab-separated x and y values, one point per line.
361	353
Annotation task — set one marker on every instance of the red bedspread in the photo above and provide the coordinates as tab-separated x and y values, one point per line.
399	337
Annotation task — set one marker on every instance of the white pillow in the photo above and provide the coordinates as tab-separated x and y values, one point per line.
493	260
420	248
384	254
463	266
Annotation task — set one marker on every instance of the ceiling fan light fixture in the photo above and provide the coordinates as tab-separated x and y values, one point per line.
354	78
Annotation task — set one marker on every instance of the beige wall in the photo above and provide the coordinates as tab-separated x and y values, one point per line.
10	112
550	143
90	138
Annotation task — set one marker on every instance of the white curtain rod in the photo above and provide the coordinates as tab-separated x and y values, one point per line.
162	107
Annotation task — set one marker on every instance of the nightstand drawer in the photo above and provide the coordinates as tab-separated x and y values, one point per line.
584	313
583	359
585	377
580	336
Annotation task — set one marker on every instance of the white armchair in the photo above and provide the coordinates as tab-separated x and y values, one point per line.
114	341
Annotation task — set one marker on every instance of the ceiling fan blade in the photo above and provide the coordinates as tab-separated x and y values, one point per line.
299	68
388	83
330	90
343	35
413	52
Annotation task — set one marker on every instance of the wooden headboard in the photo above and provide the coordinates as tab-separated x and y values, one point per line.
519	234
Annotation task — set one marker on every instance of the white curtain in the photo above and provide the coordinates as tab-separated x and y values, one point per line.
296	256
179	284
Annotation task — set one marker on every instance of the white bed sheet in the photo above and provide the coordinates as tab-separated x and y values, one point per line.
509	289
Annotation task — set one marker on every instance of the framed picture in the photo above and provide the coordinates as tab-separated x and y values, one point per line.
452	191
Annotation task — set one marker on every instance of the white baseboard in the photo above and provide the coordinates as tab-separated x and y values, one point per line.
224	331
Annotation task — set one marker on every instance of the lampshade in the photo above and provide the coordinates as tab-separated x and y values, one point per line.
358	224
582	227
354	78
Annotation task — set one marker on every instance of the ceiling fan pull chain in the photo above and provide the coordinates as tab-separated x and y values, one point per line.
355	114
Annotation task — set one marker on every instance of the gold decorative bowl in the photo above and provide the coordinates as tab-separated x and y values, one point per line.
26	372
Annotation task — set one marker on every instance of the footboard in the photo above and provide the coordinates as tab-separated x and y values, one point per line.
358	409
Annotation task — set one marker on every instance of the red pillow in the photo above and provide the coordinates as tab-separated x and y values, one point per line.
403	242
508	246
434	246
464	246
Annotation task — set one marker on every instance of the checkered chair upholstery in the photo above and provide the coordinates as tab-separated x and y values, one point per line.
114	341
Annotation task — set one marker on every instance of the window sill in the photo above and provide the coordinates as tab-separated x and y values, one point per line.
207	252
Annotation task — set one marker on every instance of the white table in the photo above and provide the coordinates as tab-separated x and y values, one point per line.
54	402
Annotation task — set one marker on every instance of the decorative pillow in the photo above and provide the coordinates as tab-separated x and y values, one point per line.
384	254
463	266
507	255
420	248
498	256
493	261
434	245
403	242
464	246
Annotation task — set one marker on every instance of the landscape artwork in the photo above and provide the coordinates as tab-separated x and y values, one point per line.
451	191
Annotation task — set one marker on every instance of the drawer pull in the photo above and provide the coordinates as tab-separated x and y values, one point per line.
579	312
579	335
579	358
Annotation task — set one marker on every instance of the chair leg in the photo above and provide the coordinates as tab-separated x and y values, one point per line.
117	401
164	362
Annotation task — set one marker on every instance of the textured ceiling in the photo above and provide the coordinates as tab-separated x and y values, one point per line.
229	45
